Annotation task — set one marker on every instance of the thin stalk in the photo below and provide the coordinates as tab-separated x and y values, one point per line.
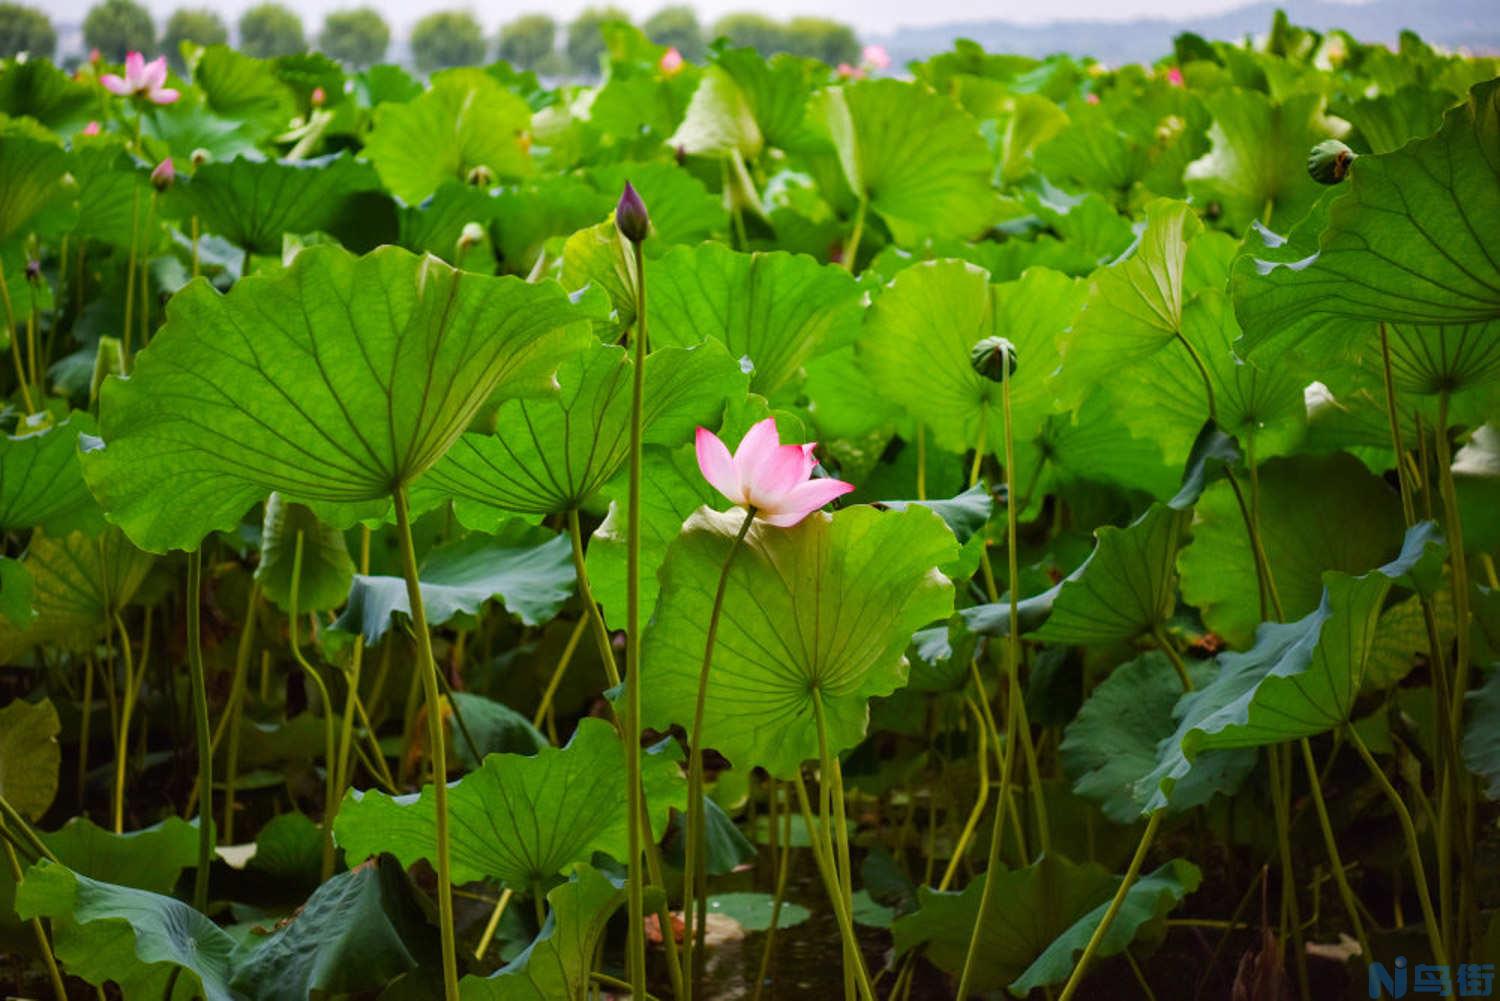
85	725
193	228
330	792
31	322
590	606
545	706
1330	842
145	268
635	889
12	817
980	801
1164	644
133	679
1280	795
851	248
1133	871
1407	506
695	822
1413	847
783	869
201	728
230	722
493	923
437	746
44	945
822	855
921	461
135	213
832	776
15	347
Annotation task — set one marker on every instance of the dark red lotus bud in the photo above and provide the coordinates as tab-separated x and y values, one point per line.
631	217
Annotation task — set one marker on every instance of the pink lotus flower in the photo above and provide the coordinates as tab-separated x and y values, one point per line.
775	479
1174	77
91	129
671	62
847	72
875	57
142	79
1091	98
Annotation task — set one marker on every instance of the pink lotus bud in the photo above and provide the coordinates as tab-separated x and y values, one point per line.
774	479
1091	99
1174	77
95	57
163	176
847	72
631	217
319	97
671	62
91	129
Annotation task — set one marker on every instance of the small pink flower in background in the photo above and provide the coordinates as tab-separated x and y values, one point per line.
1174	77
1091	98
142	78
163	175
847	72
773	478
671	62
94	56
875	58
319	97
91	129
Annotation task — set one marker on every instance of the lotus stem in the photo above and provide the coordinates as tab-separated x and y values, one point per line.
1133	871
1280	803
694	831
980	801
1330	842
783	869
130	262
437	745
15	347
831	884
133	679
44	945
1164	644
229	722
330	767
85	726
493	923
545	706
201	727
851	248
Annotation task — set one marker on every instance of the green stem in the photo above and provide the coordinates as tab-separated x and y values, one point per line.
783	869
201	726
341	774
330	760
545	706
229	723
1164	643
1330	842
133	679
15	346
493	923
980	801
851	248
822	855
12	817
635	889
1134	870
1281	807
695	821
921	461
437	745
590	606
1413	847
84	727
135	213
44	945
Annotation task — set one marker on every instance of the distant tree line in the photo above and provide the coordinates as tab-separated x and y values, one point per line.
361	37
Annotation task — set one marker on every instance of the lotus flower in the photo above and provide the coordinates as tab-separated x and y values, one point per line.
1174	77
671	62
875	57
847	72
143	79
91	129
774	479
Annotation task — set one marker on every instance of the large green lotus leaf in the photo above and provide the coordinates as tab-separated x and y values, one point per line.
137	939
776	310
113	191
1110	746
1401	642
553	454
559	960
745	103
15	593
1257	166
149	859
528	215
1317	513
435	226
327	569
185	129
1300	678
521	819
29	755
38	89
1482	734
41	481
1408	239
251	203
1134	306
289	849
494	727
823	610
1166	403
1125	587
1141	914
532	580
1029	909
1086	448
78	583
672	488
465	119
356	933
915	154
919	332
245	89
1388	121
682	209
600	256
32	171
334	382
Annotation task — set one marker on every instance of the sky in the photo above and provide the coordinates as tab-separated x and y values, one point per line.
869	17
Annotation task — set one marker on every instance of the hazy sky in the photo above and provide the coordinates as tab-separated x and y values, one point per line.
868	16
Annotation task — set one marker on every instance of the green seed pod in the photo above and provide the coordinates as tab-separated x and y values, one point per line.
994	358
1329	161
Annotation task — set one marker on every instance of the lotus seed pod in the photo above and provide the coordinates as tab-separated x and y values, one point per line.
1329	161
200	156
471	236
481	177
631	217
994	358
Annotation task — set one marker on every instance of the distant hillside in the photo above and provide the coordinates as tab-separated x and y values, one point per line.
1469	24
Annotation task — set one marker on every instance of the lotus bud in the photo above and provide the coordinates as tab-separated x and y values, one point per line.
91	129
631	217
95	57
471	236
33	270
201	156
163	176
319	97
994	358
1329	161
480	177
